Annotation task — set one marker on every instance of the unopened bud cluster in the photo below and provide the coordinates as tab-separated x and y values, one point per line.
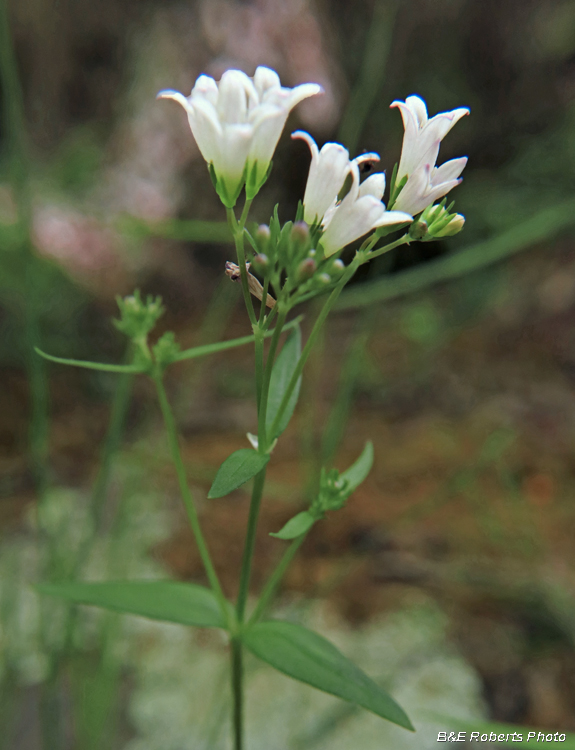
286	256
333	493
138	316
436	222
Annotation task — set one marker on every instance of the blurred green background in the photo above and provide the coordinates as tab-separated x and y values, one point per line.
450	573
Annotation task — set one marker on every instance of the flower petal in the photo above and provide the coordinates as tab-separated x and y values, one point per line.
233	92
374	185
448	171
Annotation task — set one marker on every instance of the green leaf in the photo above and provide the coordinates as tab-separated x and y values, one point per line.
185	603
306	656
296	526
282	372
358	471
102	366
237	469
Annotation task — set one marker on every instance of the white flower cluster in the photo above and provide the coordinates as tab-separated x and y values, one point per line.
237	124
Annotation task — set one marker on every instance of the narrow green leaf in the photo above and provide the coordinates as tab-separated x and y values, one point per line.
282	371
296	526
306	656
102	366
507	732
358	471
185	603
237	469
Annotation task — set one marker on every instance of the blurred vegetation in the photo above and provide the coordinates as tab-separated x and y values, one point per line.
456	357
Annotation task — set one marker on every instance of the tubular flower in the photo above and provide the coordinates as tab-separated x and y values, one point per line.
361	209
425	182
237	124
327	173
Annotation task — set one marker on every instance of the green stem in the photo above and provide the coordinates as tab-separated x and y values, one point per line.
263	402
331	300
275	578
245	574
237	229
187	497
403	240
17	148
237	674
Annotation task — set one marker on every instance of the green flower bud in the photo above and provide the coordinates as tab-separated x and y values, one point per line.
300	232
306	270
263	233
454	226
138	316
418	230
260	264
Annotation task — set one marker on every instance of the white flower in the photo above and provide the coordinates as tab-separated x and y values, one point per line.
427	184
327	172
421	141
361	209
237	124
422	136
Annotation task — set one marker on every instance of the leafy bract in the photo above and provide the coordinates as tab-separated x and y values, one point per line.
310	658
237	469
296	526
359	470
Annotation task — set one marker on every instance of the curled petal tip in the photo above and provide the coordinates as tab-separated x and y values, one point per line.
166	94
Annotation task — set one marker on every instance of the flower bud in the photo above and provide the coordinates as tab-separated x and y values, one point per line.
453	227
337	266
325	278
306	270
263	234
260	264
418	230
300	232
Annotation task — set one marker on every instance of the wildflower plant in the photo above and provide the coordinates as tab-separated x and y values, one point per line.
237	123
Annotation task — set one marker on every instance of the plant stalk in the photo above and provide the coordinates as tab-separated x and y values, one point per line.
187	497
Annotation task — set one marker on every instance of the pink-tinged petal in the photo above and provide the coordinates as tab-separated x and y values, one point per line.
418	108
413	190
446	120
302	135
206	88
374	185
393	217
176	96
448	171
233	92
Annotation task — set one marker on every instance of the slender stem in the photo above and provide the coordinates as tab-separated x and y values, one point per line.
245	574
16	132
263	403
275	578
237	692
237	229
404	240
331	300
187	497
